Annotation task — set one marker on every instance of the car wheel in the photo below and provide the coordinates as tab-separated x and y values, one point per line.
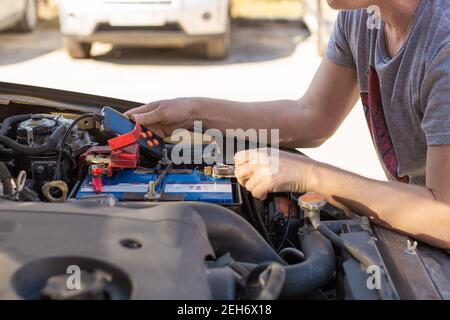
219	48
77	49
29	19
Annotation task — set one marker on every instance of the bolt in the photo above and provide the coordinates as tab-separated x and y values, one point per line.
152	194
40	169
151	187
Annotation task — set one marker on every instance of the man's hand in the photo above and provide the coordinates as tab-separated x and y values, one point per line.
263	171
333	92
163	117
415	210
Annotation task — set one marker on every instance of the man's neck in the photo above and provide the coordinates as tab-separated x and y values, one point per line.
397	16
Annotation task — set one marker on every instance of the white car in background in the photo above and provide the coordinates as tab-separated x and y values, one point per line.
146	23
18	14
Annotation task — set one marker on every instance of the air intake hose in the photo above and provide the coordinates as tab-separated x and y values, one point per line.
45	148
8	122
230	233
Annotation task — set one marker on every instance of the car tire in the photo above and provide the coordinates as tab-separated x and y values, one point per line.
219	48
77	49
29	19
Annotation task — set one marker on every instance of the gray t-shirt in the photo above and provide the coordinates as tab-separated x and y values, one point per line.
406	98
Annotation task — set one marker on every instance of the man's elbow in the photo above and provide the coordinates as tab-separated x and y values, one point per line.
302	143
317	140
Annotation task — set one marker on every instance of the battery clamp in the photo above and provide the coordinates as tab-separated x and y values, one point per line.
122	152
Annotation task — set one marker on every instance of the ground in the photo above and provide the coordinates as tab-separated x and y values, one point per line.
268	61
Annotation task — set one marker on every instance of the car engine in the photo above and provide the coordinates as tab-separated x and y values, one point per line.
140	227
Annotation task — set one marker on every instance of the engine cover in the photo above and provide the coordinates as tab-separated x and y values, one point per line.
153	253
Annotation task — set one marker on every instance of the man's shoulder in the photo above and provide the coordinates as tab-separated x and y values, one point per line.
441	16
445	9
352	24
438	41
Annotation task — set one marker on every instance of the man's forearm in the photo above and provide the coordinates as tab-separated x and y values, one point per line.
296	122
412	209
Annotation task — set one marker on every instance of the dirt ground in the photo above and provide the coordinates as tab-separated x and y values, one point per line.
269	61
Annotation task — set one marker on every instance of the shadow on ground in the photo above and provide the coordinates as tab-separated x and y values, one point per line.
19	47
252	41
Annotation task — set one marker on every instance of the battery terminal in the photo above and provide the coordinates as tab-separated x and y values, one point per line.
152	195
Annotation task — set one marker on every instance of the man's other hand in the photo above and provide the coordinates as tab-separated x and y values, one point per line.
264	171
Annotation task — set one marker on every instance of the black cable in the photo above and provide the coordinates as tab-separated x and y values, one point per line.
163	174
257	218
5	178
286	232
250	213
291	243
66	137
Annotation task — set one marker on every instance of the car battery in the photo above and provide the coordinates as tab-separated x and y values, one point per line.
176	185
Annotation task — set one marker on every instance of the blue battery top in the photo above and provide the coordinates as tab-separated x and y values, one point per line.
193	186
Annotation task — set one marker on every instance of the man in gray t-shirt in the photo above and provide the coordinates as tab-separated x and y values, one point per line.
396	58
410	110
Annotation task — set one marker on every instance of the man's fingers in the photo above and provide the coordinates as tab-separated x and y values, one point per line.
244	172
254	156
143	109
257	186
260	191
253	182
242	157
147	119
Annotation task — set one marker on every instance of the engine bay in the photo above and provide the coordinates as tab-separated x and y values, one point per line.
57	162
147	228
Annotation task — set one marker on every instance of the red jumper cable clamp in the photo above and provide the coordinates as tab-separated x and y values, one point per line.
122	153
125	149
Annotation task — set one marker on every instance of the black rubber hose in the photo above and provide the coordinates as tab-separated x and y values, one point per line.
8	122
35	151
9	153
356	252
5	178
317	269
313	273
230	233
292	254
